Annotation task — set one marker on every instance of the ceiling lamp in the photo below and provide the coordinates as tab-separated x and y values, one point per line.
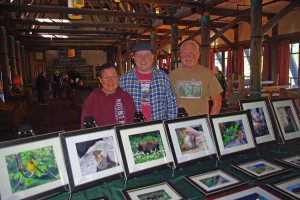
157	10
75	4
117	1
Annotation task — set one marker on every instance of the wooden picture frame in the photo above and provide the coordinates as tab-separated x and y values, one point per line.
289	187
247	192
214	182
262	119
260	169
34	167
232	132
190	139
144	147
163	190
92	156
287	117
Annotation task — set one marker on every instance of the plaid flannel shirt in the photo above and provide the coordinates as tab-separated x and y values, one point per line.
162	99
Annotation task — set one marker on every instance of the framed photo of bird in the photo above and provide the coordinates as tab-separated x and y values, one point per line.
191	139
287	117
32	167
232	132
262	119
92	156
144	147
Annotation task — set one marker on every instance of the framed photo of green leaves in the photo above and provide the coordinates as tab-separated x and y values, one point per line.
233	132
144	147
32	168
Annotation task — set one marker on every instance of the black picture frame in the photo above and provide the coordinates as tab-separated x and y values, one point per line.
213	182
161	189
247	192
260	169
190	139
45	172
262	118
92	157
144	147
293	161
232	133
287	187
287	118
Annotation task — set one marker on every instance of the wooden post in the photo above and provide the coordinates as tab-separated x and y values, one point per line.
24	71
256	48
153	43
128	58
12	55
18	60
119	60
174	46
205	46
4	63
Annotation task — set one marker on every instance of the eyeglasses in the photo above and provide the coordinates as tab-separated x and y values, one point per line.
191	53
109	77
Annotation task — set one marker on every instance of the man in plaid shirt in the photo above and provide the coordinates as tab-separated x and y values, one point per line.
149	87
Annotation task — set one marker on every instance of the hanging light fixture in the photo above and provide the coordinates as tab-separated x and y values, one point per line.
117	1
157	10
75	4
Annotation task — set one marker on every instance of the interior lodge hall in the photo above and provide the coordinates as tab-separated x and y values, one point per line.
250	150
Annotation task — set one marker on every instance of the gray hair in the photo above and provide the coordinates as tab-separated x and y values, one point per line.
190	41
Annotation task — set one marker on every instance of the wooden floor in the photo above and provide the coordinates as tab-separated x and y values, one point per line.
57	115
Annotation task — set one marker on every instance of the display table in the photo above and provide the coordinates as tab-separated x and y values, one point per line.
275	89
269	152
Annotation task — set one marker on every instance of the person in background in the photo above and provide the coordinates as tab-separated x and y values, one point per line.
149	87
56	84
194	84
40	86
164	68
109	104
221	78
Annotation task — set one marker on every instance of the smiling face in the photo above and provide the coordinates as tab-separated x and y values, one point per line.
109	80
144	61
189	55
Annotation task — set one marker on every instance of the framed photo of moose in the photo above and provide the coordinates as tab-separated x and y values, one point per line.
260	169
163	190
144	147
287	118
214	182
190	139
262	119
293	161
92	156
232	132
32	167
289	187
247	192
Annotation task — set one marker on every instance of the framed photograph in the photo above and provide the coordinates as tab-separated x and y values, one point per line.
232	132
260	169
214	182
164	190
262	119
144	147
39	56
32	167
190	139
247	192
289	187
287	118
92	156
293	161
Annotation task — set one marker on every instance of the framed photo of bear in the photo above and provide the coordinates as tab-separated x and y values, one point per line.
190	139
144	147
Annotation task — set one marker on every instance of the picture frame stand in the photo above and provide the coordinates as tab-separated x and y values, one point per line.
70	195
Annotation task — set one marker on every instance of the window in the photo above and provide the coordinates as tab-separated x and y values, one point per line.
294	64
220	61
